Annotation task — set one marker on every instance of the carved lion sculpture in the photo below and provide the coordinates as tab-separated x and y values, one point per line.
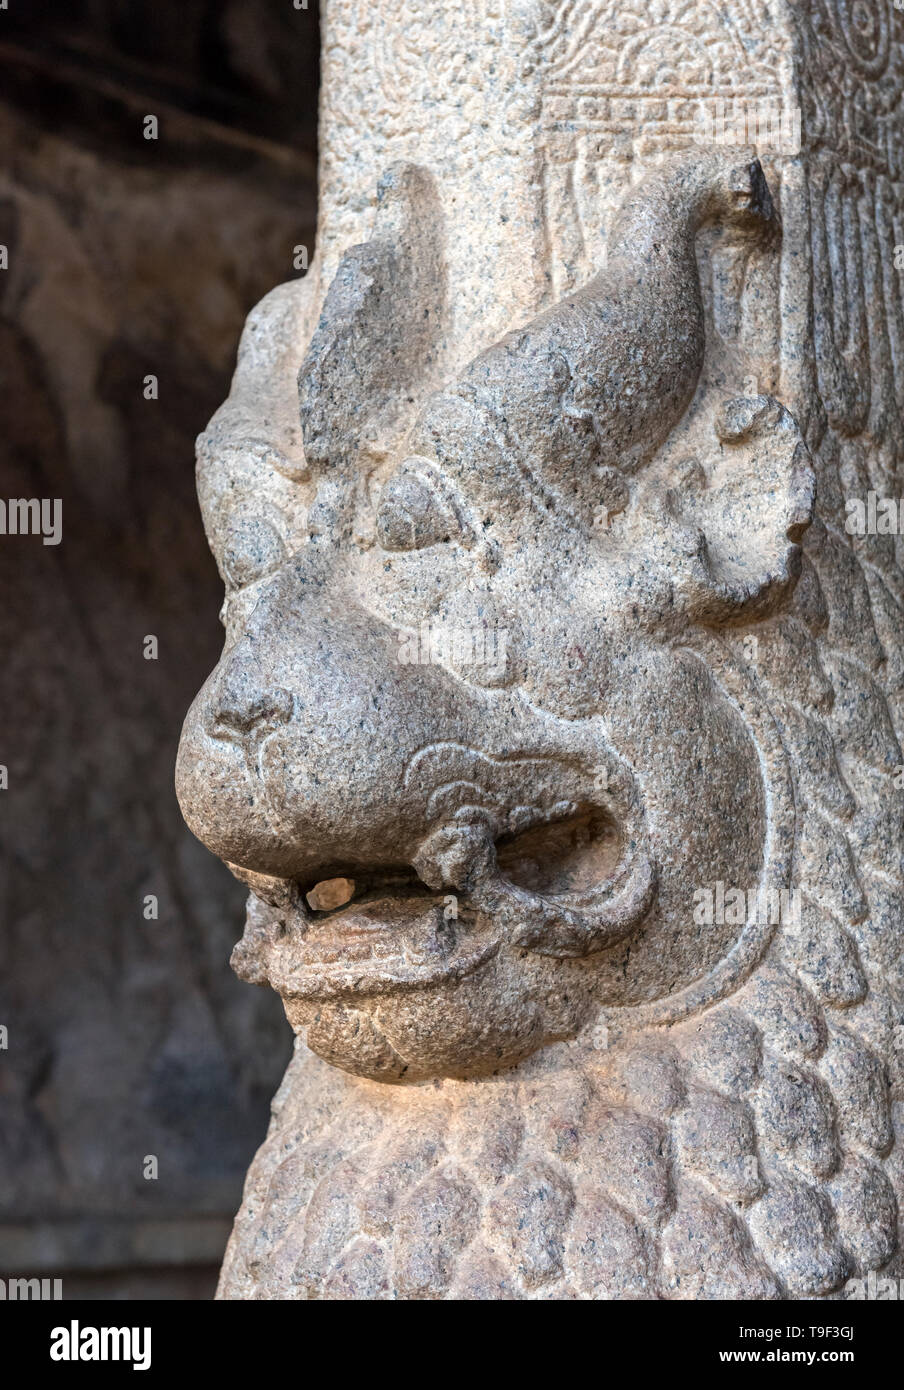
530	827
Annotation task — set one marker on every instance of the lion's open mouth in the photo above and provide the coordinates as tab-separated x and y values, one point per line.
359	933
362	931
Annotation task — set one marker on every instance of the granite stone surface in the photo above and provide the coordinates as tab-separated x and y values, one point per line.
556	731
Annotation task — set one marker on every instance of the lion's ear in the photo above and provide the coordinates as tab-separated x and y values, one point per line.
378	333
741	518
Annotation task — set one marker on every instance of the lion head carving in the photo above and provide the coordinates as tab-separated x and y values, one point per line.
474	739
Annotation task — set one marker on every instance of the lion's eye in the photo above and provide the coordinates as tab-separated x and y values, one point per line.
412	514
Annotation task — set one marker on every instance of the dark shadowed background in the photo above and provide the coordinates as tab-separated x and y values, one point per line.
127	1037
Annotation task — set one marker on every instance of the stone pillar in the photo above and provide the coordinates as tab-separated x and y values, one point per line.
557	730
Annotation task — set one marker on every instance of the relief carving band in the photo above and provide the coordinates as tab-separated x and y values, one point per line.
556	730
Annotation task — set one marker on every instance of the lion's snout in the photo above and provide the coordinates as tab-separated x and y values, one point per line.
243	713
293	755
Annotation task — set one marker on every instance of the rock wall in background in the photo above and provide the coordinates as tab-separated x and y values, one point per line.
128	258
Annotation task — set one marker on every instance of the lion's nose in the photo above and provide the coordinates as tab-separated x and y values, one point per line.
237	715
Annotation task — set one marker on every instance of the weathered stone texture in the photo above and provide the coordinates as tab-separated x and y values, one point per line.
125	258
589	378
